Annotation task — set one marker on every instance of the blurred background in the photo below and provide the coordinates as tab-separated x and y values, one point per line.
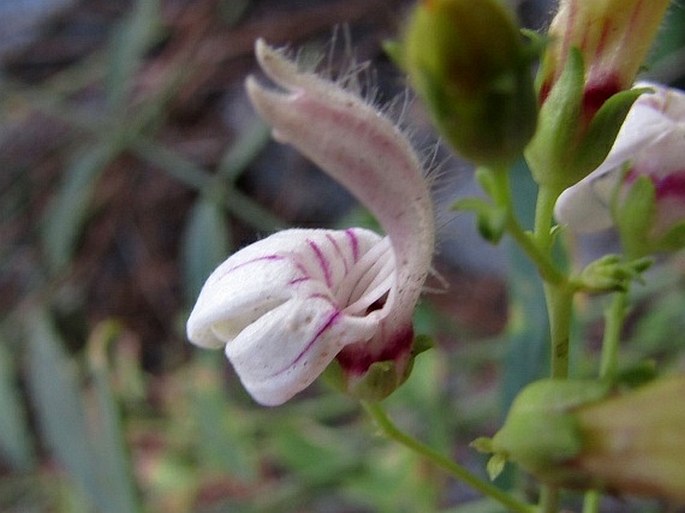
131	164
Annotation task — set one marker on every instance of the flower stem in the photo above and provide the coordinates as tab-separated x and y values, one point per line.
559	301
614	317
501	194
591	502
549	499
544	212
376	411
559	310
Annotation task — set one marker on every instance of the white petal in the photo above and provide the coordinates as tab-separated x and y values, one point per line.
291	346
650	142
365	152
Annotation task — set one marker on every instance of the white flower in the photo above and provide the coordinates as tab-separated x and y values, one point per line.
651	143
286	306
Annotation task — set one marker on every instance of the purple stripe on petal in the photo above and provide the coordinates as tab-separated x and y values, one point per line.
332	318
267	258
325	297
299	280
323	262
354	243
330	321
338	251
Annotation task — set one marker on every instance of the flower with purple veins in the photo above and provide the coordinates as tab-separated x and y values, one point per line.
650	144
285	307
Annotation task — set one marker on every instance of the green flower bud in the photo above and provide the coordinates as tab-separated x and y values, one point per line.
635	443
583	434
611	273
469	64
595	50
541	432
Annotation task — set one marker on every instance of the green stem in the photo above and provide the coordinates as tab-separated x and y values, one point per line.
544	214
591	502
501	193
559	310
546	268
549	499
614	318
376	411
559	301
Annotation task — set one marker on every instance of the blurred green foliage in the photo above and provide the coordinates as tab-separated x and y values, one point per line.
84	428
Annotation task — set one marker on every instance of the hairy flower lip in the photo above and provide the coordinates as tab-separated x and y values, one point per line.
367	143
286	306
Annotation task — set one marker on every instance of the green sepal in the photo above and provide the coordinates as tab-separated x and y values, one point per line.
394	50
496	462
602	131
674	239
491	220
381	378
634	216
379	381
553	146
611	273
637	375
537	42
541	432
422	343
495	465
482	444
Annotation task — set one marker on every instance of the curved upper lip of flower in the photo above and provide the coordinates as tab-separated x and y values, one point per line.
362	150
287	305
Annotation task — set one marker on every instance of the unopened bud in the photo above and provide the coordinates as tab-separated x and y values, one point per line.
469	64
586	434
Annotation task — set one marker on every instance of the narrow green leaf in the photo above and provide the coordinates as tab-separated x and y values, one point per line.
68	209
223	439
128	44
206	243
635	217
15	438
495	465
114	467
56	395
248	145
604	127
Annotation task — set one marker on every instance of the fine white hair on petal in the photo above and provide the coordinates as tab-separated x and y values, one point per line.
286	306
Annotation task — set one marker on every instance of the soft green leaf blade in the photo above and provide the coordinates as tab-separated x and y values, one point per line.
604	127
15	438
528	352
53	383
112	459
206	243
224	440
128	44
314	452
67	211
249	143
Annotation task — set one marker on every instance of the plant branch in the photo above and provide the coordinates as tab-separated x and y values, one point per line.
376	411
